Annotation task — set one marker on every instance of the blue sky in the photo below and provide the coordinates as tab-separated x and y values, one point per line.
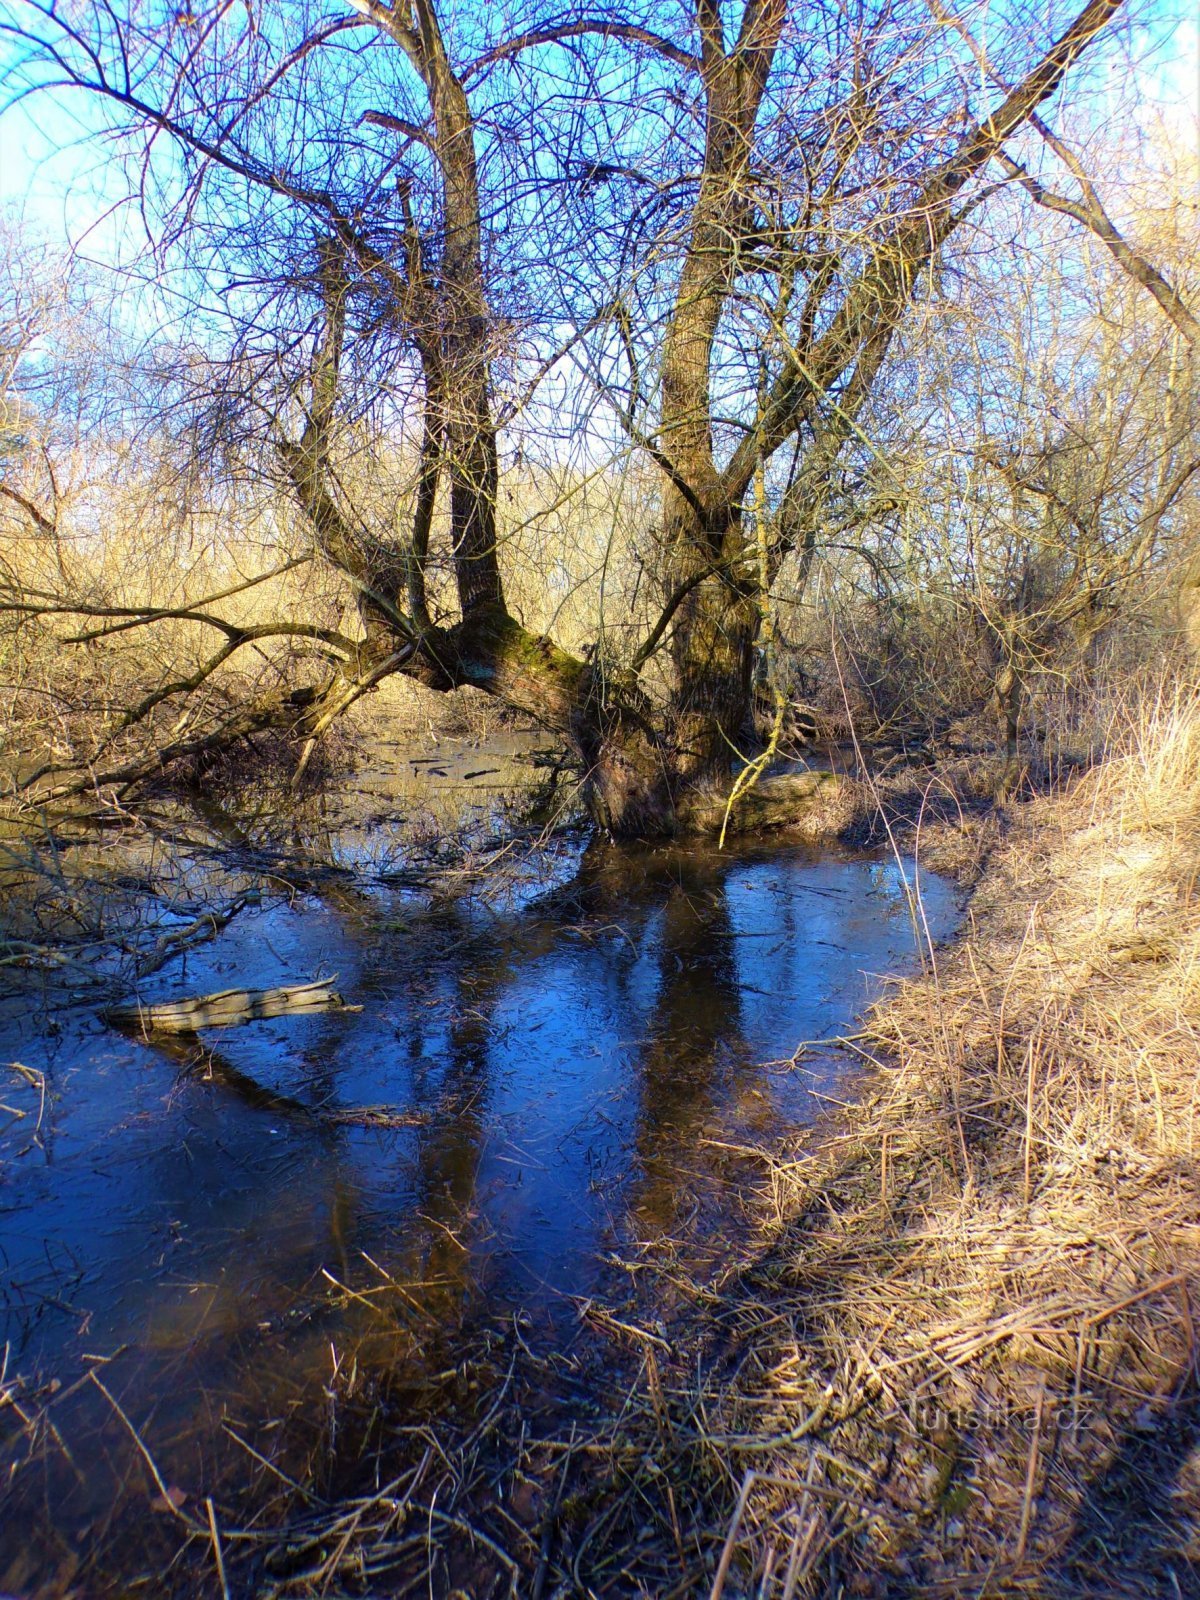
60	180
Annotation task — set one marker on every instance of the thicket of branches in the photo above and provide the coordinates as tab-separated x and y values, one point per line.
610	360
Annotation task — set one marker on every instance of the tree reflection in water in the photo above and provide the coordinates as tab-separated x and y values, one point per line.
564	1067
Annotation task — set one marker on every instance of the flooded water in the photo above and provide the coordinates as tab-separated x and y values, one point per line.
563	1065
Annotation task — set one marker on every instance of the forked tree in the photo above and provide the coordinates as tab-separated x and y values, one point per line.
715	222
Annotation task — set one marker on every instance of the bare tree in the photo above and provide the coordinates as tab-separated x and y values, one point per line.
1024	483
381	215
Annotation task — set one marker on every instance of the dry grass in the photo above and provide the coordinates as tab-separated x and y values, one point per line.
958	1357
70	679
967	1344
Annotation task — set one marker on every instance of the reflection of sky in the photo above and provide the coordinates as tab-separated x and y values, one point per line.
565	1064
571	1072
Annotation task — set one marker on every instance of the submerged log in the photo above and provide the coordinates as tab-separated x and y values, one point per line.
201	1062
229	1008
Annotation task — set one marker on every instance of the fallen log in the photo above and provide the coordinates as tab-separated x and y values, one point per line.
229	1008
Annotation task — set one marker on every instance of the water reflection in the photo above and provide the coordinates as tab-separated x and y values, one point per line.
567	1070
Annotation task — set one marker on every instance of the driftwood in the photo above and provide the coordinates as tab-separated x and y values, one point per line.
229	1008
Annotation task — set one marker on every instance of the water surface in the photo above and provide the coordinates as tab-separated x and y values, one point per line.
569	1064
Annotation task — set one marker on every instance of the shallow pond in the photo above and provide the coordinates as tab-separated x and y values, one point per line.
572	1066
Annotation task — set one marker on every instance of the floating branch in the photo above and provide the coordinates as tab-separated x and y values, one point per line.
229	1008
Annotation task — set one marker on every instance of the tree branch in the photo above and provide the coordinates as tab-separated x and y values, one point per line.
873	303
385	119
1091	213
38	517
1090	210
605	27
275	710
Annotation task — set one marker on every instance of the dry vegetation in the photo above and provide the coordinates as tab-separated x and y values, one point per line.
967	1348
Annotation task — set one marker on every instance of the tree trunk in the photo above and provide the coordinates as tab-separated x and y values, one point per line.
713	642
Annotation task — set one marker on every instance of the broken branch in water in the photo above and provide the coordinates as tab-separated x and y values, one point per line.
229	1008
197	1059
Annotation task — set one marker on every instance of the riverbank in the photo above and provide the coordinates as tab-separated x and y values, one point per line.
373	1293
962	1360
593	1325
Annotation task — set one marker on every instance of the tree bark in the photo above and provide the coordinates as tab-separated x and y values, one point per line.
712	643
